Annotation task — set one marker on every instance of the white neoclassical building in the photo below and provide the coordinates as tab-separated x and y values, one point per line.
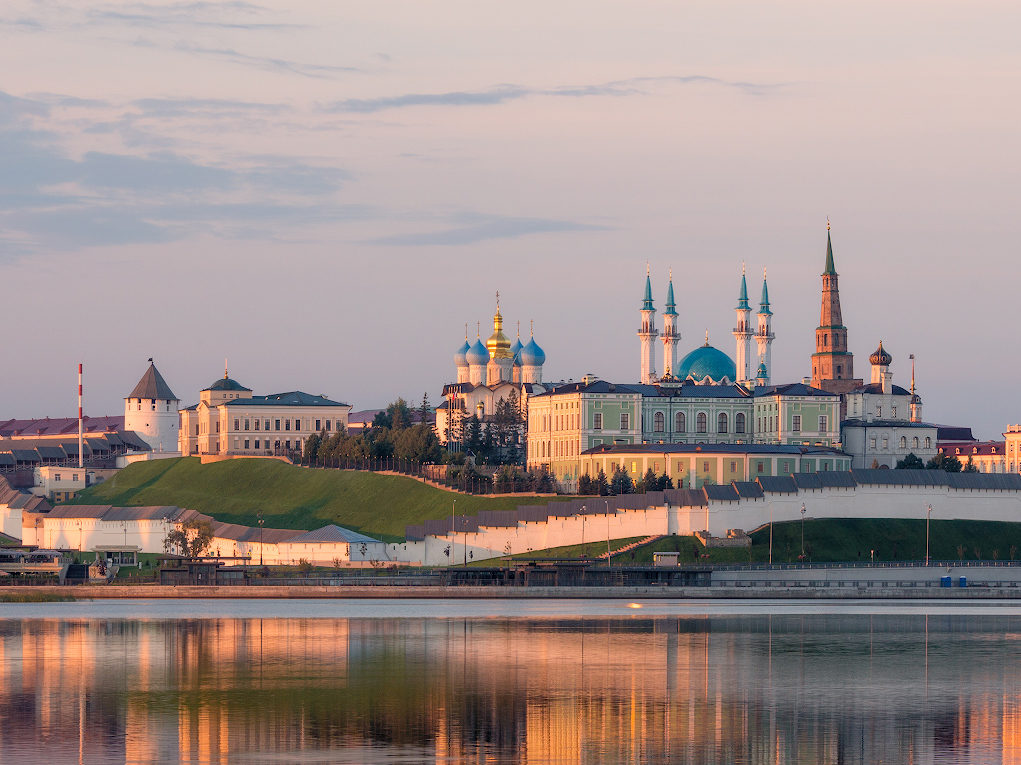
229	420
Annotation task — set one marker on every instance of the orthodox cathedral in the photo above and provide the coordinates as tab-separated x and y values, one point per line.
487	374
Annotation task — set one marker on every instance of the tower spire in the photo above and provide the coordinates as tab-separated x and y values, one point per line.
743	332
832	363
647	333
829	270
764	336
670	335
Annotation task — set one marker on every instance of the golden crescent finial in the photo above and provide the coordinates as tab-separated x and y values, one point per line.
671	273
827	222
742	268
707	337
478	329
531	327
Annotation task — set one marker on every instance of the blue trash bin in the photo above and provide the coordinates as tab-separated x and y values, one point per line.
944	581
964	581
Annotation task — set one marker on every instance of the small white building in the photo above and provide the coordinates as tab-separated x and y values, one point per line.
58	484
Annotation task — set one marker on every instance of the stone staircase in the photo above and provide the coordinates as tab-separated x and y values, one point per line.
630	547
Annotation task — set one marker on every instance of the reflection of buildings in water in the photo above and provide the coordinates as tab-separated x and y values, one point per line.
793	689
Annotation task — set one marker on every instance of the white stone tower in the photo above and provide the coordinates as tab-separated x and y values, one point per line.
648	334
743	335
764	335
151	411
670	334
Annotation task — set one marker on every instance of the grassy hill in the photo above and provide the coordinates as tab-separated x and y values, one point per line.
290	497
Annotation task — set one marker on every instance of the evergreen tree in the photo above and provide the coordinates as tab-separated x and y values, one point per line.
943	462
621	482
602	485
665	482
312	444
648	483
425	410
586	485
911	462
970	467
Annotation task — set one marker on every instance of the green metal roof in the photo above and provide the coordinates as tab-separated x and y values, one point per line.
830	269
647	301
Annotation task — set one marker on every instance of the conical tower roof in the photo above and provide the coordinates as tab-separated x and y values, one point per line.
153	386
830	269
742	298
671	307
647	300
764	302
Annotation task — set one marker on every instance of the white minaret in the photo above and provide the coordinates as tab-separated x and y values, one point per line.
764	336
743	334
151	411
916	400
670	334
648	334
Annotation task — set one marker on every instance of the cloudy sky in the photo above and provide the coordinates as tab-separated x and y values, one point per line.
326	192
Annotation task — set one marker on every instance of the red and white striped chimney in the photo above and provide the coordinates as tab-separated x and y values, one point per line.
81	422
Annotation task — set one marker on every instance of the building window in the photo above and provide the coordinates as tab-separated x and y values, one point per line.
625	420
287	424
318	425
597	420
658	422
705	467
340	426
297	424
872	443
879	410
256	424
787	467
886	443
237	424
680	423
327	426
247	423
701	422
246	443
914	442
721	423
733	467
277	423
903	442
893	412
796	423
739	422
257	443
824	423
758	467
840	371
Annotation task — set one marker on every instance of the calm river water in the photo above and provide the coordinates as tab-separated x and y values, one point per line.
509	682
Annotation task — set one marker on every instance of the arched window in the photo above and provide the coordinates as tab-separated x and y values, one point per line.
658	422
739	422
914	442
680	423
721	423
928	443
701	422
903	442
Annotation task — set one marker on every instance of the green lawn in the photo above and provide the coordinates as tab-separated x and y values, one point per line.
844	539
290	497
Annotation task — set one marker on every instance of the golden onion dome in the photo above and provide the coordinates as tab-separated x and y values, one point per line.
498	345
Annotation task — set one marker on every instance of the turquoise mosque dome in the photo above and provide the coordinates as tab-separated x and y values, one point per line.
477	354
707	362
532	355
460	356
515	352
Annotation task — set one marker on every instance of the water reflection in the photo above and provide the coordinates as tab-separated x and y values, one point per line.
721	689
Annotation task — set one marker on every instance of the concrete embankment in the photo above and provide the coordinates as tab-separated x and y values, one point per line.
87	592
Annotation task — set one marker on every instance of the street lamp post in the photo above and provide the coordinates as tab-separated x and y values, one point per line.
802	531
928	514
262	523
607	503
583	531
770	533
453	506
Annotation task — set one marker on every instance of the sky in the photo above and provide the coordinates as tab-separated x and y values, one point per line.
325	193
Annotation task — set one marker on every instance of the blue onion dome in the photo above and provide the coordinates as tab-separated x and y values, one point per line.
762	374
515	352
532	355
707	363
477	354
460	359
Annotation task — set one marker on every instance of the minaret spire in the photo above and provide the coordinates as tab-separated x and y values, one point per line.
670	334
764	335
743	332
647	333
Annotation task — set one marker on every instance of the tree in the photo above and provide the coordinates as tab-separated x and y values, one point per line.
944	462
911	462
602	485
424	410
970	467
192	539
621	482
419	442
586	485
312	444
665	482
648	483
